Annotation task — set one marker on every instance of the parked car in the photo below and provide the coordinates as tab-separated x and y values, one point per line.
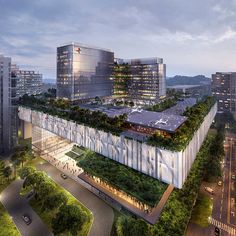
64	176
30	194
209	190
220	183
233	177
217	231
26	219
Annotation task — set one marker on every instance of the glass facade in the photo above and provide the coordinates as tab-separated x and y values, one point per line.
84	72
8	107
27	82
141	79
224	89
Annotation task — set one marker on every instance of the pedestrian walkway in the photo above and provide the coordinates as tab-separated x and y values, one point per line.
223	226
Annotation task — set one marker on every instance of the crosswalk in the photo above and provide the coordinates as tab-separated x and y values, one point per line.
223	226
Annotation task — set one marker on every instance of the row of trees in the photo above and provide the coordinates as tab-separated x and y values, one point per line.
69	217
5	171
180	139
140	186
177	212
63	109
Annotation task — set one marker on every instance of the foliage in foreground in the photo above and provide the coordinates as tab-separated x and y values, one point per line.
64	216
144	188
7	227
202	210
69	218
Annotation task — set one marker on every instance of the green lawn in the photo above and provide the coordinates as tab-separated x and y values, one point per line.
202	210
7	226
72	155
48	215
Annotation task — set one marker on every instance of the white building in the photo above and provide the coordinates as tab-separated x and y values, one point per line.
167	166
28	81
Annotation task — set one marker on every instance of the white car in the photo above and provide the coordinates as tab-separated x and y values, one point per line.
209	190
220	183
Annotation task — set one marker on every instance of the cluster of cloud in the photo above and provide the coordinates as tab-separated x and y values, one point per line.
193	37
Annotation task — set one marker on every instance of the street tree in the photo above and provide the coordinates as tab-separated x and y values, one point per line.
25	171
55	200
44	188
7	172
70	218
2	167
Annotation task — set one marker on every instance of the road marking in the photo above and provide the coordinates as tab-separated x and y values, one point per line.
220	225
221	201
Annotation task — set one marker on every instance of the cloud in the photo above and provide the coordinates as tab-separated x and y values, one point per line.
186	33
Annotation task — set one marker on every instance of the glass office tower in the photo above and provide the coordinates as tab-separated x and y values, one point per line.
140	79
84	72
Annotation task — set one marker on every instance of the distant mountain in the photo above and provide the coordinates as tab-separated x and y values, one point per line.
187	80
49	81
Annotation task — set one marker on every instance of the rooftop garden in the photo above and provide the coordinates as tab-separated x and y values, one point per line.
140	186
99	120
180	139
62	108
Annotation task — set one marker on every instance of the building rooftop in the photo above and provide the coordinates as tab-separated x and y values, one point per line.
156	120
181	106
85	46
150	60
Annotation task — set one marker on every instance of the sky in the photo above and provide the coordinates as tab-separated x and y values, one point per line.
192	36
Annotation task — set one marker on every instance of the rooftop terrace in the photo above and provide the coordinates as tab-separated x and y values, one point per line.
157	120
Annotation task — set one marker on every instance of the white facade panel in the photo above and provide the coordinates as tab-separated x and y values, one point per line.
170	167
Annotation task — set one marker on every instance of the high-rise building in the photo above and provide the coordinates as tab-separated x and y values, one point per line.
140	79
28	81
84	72
224	89
8	109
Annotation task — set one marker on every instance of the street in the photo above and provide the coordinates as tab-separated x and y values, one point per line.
17	205
223	214
102	213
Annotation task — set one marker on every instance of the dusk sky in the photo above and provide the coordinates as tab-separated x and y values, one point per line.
192	36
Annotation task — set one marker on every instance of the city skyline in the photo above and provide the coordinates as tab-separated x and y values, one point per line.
193	38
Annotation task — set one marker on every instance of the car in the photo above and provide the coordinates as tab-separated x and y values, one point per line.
217	231
26	219
64	176
30	194
220	183
209	190
233	177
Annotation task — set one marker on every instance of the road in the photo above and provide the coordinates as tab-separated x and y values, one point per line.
17	205
103	214
223	203
223	212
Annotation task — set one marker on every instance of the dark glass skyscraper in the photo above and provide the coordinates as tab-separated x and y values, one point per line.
84	72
